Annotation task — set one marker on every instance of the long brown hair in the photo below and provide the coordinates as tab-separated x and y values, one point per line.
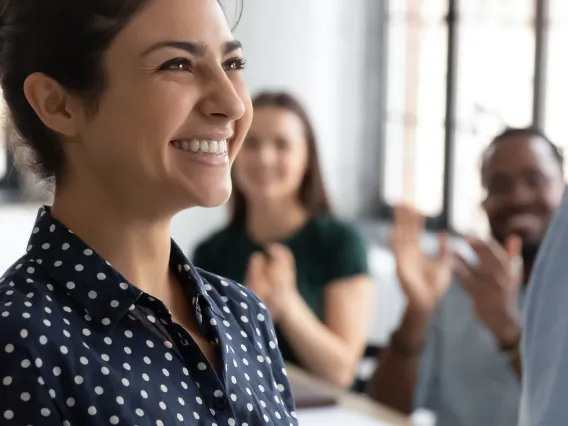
312	193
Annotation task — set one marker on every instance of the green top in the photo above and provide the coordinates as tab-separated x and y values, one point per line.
325	250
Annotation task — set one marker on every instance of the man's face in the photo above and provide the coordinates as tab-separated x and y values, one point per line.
524	184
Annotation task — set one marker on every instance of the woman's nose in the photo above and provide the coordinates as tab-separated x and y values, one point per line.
222	100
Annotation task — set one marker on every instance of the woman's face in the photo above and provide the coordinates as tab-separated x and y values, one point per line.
274	158
175	111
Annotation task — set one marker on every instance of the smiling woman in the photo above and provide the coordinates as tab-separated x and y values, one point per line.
135	109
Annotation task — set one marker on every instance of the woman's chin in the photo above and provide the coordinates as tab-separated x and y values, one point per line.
214	197
267	195
210	189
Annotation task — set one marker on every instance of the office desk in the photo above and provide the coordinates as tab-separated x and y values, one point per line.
347	400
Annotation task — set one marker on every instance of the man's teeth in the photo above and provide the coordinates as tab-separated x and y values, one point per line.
206	146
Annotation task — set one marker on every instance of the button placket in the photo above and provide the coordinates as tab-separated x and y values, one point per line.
213	387
202	372
213	332
221	403
222	406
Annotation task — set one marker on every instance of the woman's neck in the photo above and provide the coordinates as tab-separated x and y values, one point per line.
138	247
269	222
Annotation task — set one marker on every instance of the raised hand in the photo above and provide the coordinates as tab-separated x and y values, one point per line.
493	284
424	279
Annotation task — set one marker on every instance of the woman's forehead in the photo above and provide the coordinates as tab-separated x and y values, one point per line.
198	21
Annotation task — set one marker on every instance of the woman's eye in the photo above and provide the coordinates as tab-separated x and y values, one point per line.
235	64
178	64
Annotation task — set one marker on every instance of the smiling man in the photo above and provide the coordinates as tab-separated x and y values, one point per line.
456	352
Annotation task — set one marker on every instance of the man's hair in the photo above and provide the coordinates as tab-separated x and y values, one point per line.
531	131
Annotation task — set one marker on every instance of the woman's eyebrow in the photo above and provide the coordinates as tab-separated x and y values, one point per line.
194	48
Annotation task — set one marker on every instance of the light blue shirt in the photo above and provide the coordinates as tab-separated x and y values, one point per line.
464	378
545	336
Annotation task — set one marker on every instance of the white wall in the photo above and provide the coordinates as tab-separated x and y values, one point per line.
293	45
317	50
15	228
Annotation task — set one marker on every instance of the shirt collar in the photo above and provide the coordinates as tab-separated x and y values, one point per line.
90	280
190	279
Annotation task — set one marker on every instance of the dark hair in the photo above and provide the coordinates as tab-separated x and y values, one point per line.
312	193
66	40
531	131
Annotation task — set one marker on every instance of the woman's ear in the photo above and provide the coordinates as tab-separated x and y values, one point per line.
53	104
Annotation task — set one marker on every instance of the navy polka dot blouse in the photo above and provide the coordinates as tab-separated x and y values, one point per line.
79	345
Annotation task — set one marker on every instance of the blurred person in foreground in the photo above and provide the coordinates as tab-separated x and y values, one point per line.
456	351
284	243
545	339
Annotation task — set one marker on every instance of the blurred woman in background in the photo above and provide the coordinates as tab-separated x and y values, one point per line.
282	241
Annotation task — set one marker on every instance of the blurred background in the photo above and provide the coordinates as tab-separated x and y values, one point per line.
404	95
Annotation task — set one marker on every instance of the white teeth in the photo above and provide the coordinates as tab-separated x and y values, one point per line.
205	146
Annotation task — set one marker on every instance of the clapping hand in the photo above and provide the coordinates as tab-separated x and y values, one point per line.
424	279
493	284
272	277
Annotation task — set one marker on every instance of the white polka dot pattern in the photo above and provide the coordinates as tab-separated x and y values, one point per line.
80	345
